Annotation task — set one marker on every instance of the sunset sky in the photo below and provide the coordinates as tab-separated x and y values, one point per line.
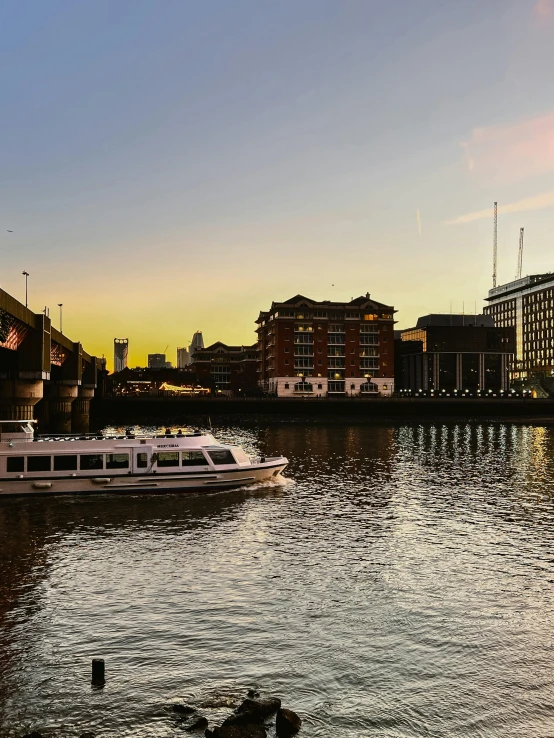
174	165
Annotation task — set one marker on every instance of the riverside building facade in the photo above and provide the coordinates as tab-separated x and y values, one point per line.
528	306
456	353
231	368
327	349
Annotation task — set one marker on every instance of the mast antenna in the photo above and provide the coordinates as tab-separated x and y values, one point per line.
520	255
495	245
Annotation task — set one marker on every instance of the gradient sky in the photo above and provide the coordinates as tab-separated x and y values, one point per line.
170	165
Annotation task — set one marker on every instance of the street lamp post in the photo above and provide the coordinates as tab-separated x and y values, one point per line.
60	305
26	275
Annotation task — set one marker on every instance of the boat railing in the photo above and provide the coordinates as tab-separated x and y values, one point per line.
111	437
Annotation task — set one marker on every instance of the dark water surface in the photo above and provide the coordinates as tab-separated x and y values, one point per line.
400	584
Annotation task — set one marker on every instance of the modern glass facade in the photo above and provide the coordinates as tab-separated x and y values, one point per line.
456	353
527	305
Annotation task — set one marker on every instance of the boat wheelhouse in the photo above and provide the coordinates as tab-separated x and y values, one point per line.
85	464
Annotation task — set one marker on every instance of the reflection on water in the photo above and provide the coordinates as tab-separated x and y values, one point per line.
401	584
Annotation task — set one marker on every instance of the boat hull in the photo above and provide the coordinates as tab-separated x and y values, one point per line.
136	484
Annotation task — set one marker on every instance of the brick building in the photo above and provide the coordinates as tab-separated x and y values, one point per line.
309	348
233	369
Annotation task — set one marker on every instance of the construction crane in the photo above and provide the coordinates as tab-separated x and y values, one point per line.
495	245
520	255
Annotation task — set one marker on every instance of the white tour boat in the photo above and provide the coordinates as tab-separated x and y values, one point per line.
81	464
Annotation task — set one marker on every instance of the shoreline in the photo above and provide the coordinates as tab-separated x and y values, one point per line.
170	410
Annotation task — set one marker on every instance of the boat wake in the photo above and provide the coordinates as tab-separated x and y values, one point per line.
275	482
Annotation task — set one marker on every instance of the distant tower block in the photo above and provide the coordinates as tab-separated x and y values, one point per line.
183	358
196	343
120	354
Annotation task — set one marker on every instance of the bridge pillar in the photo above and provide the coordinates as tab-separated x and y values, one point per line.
18	398
60	400
80	410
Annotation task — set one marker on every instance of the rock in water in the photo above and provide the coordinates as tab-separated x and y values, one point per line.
88	734
243	718
183	709
287	723
252	693
262	708
199	724
238	731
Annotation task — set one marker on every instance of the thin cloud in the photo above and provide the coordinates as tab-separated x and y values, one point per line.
538	202
512	152
543	9
419	222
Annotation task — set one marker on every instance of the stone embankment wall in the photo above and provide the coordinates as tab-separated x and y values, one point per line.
160	410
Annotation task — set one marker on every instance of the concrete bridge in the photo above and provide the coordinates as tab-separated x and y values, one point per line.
43	374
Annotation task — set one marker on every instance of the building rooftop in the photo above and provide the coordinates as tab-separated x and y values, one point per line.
519	284
364	301
446	320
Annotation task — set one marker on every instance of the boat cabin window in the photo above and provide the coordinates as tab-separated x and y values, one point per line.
117	461
168	458
193	458
15	464
39	463
142	460
67	462
91	461
240	456
222	456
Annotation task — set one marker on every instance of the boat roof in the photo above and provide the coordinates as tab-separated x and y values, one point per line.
91	444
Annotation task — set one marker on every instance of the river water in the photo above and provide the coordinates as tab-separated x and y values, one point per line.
398	582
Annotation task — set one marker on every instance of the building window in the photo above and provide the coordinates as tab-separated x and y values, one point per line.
286	361
287	350
320	386
369	388
286	385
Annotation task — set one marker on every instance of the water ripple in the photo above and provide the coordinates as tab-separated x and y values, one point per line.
398	582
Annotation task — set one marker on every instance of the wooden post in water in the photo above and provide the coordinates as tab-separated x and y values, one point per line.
98	672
